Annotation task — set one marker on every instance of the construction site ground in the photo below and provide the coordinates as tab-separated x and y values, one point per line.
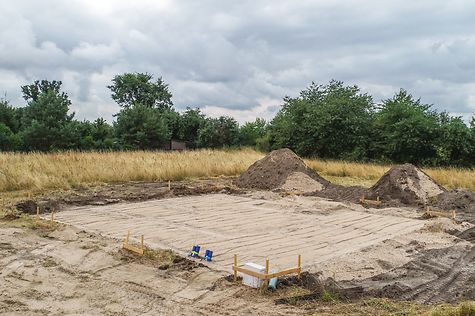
78	267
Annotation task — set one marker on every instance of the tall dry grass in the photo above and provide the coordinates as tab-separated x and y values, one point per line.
44	171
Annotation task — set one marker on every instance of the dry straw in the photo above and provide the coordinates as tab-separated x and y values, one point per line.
45	171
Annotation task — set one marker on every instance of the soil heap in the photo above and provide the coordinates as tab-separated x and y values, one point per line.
281	169
406	184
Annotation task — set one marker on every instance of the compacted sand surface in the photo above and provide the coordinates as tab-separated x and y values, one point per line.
251	228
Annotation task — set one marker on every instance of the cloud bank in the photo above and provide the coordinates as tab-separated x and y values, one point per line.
241	58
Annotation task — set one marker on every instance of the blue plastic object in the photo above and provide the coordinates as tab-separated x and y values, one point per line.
208	255
195	252
273	283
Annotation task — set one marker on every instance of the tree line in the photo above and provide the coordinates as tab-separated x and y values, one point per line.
331	121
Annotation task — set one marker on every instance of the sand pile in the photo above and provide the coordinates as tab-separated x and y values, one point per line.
281	169
406	184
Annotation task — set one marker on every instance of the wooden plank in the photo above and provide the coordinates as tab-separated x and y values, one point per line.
250	272
435	212
137	250
281	273
264	276
376	202
134	249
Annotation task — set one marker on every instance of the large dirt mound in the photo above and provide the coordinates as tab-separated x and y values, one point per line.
406	184
281	169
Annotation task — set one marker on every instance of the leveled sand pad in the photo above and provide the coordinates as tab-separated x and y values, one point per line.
251	228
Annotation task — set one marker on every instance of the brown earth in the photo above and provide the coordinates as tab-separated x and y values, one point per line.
272	171
127	192
406	184
433	276
463	202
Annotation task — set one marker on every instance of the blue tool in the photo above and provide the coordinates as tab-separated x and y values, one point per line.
195	252
208	255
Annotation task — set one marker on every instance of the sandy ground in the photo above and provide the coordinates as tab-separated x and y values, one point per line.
250	227
79	269
73	272
343	241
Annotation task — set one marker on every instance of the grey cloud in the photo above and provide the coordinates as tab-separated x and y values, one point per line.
230	56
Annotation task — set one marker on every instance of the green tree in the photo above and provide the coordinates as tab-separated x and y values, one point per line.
45	116
103	134
173	121
456	144
131	89
5	138
328	121
76	135
8	116
407	129
220	132
191	122
250	132
141	127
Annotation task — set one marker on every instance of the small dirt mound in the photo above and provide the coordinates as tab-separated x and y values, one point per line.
273	171
28	207
406	184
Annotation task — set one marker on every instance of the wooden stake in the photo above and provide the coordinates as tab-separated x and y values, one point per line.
126	241
235	268
267	270
298	265
37	213
141	243
52	217
169	185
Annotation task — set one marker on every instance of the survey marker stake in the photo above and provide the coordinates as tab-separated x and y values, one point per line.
129	247
363	200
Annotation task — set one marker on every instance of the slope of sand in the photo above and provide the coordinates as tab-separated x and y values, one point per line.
300	182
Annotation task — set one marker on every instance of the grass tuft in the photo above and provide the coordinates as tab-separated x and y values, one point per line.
462	309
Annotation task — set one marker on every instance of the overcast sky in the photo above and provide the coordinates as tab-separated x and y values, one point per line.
240	58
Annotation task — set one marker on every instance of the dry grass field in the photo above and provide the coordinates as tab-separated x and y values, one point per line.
40	172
